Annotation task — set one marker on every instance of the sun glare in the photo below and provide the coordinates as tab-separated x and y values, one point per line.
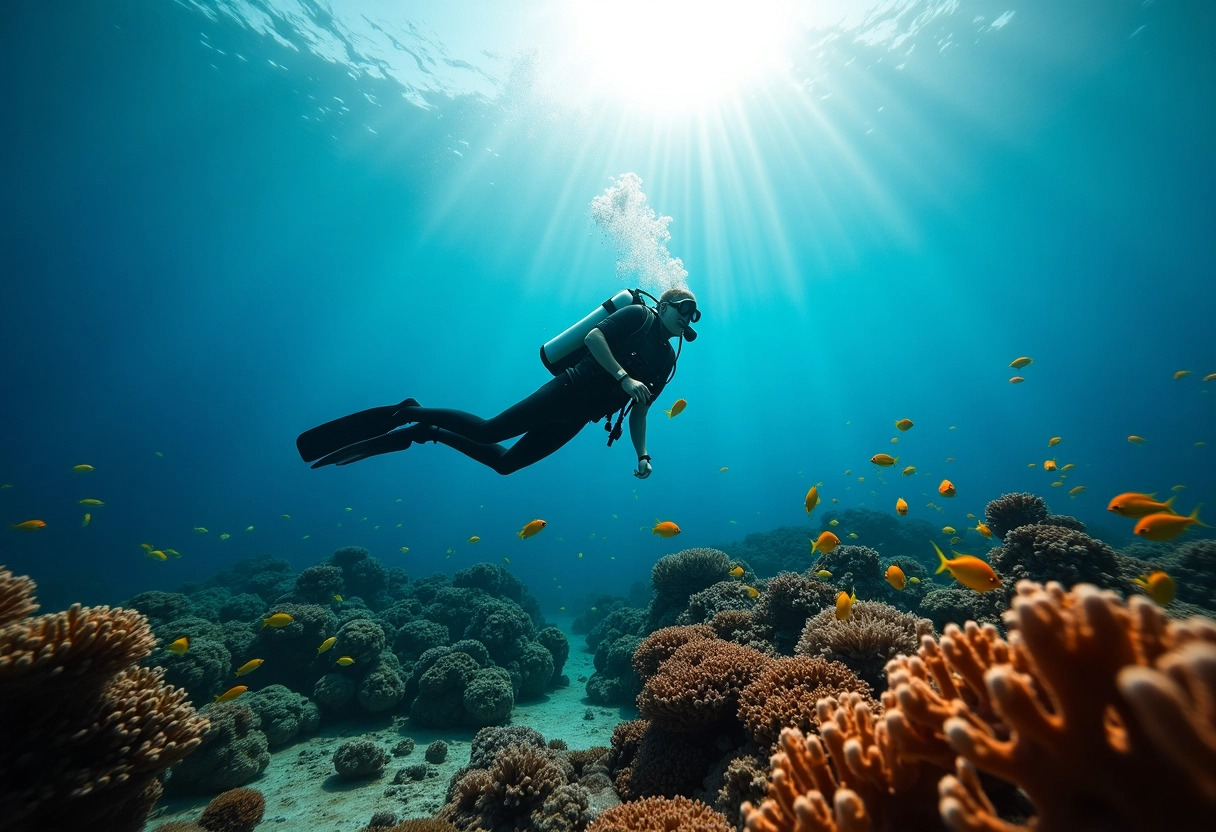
679	54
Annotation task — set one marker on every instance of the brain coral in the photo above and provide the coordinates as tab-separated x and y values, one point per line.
785	692
661	814
873	634
676	577
698	686
234	751
1012	511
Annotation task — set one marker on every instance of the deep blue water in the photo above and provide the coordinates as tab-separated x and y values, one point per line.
203	254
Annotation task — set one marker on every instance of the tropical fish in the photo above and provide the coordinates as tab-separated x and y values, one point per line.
1057	483
823	573
983	529
954	541
723	469
505	560
156	554
913	580
250	528
948	530
903	424
179	646
676	409
530	528
345	661
1177	487
285	516
1069	466
1075	490
666	529
85	521
884	459
895	576
279	619
199	530
833	522
404	549
851	535
1055	440
30	525
173	553
1166	526
1210	377
1032	465
1016	380
946	489
83	469
225	536
474	539
826	543
1182	373
249	667
1049	465
968	570
1159	586
328	643
1135	504
844	604
901	506
1136	440
812	499
909	471
1019	363
231	693
752	592
736	570
337	598
91	501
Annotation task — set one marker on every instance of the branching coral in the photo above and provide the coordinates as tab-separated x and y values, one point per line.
661	814
16	597
785	692
873	634
510	793
698	686
1012	511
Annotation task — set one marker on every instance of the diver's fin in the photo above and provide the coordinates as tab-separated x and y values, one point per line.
332	436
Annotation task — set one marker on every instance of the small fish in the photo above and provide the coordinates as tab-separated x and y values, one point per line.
30	525
1016	380
1075	490
1166	526
530	528
249	667
158	453
1210	377
1135	504
901	506
844	604
173	553
833	522
328	643
676	409
85	521
1032	465
345	661
885	460
949	459
752	592
505	560
147	547
823	573
1177	487
848	471
404	549
851	535
954	541
903	424
909	471
83	469
279	619
736	570
156	554
179	646
337	598
948	530
348	508
249	528
968	570
1136	440
225	536
200	530
1069	466
983	529
285	516
1019	363
1159	586
580	554
1053	441
91	501
1182	373
231	693
474	539
666	529
1049	465
895	576
723	469
812	499
913	580
826	543
946	489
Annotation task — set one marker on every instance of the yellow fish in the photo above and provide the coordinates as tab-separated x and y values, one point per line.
723	469
337	599
903	424
833	522
968	570
279	619
156	554
1210	377
1135	504
249	667
345	661
752	592
1057	484
913	580
1182	373
580	554
948	530
1159	586
1166	526
83	469
505	560
812	499
285	516
737	570
1019	363
1032	465
530	528
946	489
1049	465
1016	380
895	576
823	573
844	604
851	535
30	525
173	553
983	529
1177	487
474	539
328	643
954	541
885	460
909	471
231	693
91	501
666	529
676	409
1069	466
178	647
901	506
404	549
249	528
85	521
199	530
826	543
1075	490
1055	440
225	536
1136	440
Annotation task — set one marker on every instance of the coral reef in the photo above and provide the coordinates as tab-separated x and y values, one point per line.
658	647
1012	511
873	634
284	713
956	605
678	576
359	759
855	569
1056	553
661	814
233	752
511	794
1194	569
488	697
784	694
436	752
698	687
236	810
786	604
721	597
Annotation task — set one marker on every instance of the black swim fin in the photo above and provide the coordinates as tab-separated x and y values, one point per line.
332	436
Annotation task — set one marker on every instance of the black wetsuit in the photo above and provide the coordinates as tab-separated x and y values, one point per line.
550	417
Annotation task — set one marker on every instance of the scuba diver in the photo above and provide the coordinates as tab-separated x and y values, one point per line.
626	363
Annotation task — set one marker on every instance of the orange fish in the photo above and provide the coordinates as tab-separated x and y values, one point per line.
1182	374
1136	440
30	525
901	506
844	604
904	424
812	499
895	576
231	693
984	530
1165	526
531	528
1016	380
1049	465
826	543
884	459
676	409
1210	377
946	489
249	667
1159	586
968	570
1055	440
1135	504
1019	363
666	529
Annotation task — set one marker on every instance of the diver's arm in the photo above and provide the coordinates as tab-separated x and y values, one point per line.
598	345
637	433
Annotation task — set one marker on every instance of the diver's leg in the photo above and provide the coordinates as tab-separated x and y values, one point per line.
533	446
397	440
550	401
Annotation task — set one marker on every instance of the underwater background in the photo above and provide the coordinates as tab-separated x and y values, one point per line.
226	222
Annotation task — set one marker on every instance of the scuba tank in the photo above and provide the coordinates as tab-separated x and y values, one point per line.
565	350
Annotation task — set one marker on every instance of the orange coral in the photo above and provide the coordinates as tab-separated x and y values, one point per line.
16	597
784	694
657	647
699	685
661	814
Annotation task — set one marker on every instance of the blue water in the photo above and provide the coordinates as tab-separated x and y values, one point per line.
213	240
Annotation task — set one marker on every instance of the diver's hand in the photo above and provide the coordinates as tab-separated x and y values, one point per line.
644	469
637	391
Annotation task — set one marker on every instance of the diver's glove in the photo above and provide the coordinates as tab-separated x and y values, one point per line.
644	467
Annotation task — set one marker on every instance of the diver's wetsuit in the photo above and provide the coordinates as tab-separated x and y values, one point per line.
550	417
